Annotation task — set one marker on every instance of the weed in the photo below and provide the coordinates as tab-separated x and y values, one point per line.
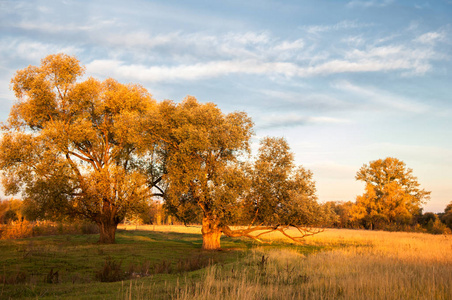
137	270
192	264
262	263
111	271
18	277
163	267
52	277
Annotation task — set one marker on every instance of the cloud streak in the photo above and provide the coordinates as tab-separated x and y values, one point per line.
382	98
370	3
294	120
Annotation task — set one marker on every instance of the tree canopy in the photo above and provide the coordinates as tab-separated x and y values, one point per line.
392	193
74	148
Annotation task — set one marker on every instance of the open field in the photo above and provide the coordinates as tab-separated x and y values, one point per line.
166	262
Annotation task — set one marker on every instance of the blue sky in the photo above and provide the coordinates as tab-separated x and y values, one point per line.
345	82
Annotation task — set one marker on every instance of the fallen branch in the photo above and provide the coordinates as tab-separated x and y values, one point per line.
304	231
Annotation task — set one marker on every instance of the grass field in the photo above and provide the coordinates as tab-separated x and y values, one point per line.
166	262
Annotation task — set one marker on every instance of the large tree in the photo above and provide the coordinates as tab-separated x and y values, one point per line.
75	148
201	167
208	181
393	195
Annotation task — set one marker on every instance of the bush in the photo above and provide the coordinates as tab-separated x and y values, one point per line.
437	227
17	230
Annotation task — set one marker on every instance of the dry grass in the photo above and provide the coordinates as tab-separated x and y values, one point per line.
361	265
25	229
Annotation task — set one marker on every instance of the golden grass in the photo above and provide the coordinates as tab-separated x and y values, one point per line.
360	265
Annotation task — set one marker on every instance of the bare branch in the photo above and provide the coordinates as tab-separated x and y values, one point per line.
304	231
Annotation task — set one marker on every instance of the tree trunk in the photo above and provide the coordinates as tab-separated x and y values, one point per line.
107	232
211	234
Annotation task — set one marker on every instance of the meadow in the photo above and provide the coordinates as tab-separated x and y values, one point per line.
166	262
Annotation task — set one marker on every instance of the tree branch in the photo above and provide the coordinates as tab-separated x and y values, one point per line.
304	231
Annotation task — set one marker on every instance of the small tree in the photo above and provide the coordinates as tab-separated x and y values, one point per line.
282	195
392	194
74	148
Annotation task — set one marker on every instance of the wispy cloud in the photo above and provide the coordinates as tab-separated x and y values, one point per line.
382	98
32	50
144	55
303	100
370	3
431	37
343	25
294	120
189	72
273	61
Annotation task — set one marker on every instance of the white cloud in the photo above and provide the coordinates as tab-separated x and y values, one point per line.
188	72
31	50
290	45
199	56
430	37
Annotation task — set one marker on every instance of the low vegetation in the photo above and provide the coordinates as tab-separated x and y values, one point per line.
167	262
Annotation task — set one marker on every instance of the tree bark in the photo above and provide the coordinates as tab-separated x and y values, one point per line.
211	234
107	232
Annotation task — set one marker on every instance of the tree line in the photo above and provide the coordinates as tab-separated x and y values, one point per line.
102	150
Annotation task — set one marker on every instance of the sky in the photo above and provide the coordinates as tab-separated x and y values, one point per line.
345	82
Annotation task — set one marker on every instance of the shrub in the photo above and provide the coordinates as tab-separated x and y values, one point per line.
437	227
17	230
25	229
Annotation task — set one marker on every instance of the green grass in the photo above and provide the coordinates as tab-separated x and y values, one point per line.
29	265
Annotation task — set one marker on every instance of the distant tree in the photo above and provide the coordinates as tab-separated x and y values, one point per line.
10	216
75	148
427	217
392	193
446	218
11	210
343	211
